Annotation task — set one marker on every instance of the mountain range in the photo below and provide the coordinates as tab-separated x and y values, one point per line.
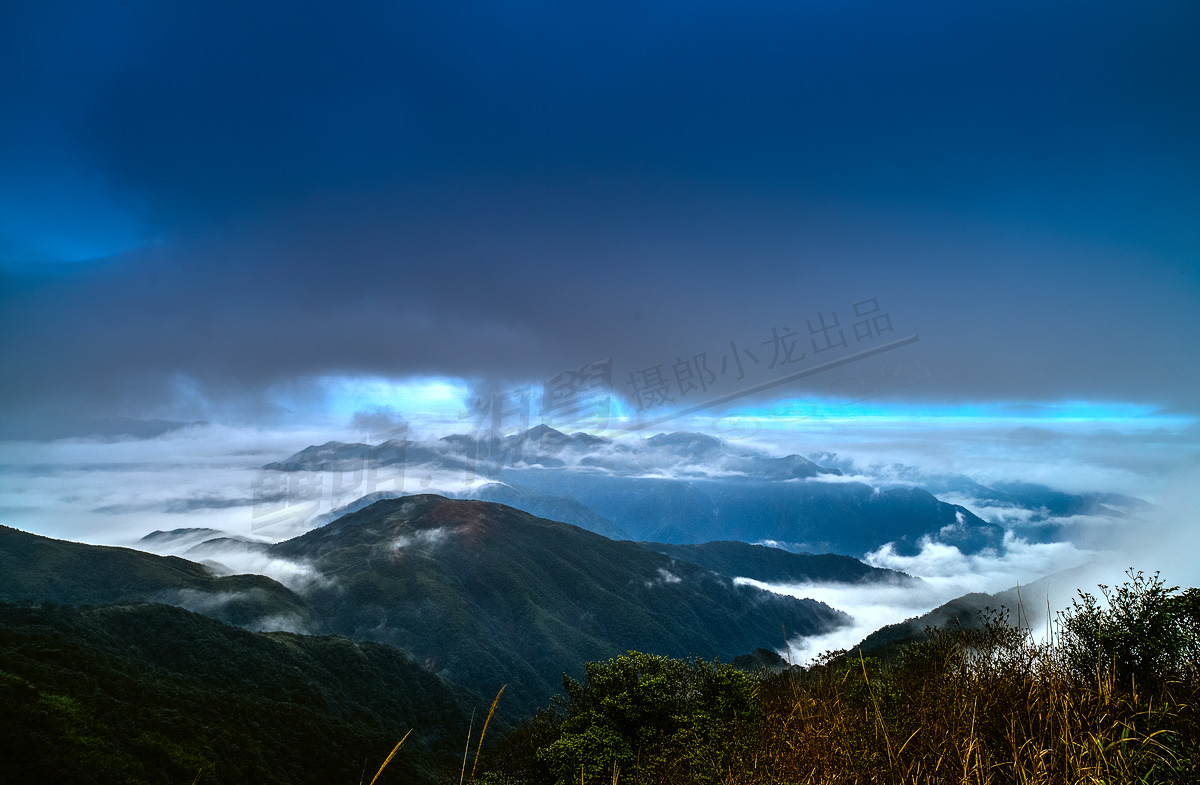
775	565
480	593
413	607
680	488
488	594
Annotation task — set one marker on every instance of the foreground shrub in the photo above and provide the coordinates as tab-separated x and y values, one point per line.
1145	633
641	718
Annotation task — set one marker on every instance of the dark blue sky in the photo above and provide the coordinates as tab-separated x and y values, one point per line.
223	198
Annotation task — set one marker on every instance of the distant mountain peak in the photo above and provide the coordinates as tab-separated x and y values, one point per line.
159	534
176	541
542	431
698	442
388	524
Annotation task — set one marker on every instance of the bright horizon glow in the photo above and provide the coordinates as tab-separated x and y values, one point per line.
444	402
417	398
1011	413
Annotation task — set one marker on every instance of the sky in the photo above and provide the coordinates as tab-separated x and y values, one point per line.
964	236
206	208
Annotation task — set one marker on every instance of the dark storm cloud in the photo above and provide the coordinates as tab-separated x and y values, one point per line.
486	191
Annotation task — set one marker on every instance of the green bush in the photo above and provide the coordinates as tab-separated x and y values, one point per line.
648	718
1144	633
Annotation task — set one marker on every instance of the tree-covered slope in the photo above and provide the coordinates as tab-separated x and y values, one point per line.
774	565
40	569
155	694
489	594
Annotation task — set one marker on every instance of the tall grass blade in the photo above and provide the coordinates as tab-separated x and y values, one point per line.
467	748
389	757
483	732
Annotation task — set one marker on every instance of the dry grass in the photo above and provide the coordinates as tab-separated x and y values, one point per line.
980	707
483	732
990	707
389	757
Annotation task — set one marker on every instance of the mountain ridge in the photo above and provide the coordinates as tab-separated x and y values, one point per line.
542	593
681	488
41	569
737	559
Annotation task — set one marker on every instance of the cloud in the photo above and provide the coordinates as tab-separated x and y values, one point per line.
380	424
949	566
114	491
296	575
946	573
1131	456
1165	537
227	555
835	479
868	608
425	539
665	578
1092	550
217	603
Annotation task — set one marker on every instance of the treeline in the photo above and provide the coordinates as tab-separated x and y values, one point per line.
1110	698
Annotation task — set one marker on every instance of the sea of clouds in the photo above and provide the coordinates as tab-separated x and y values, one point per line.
114	491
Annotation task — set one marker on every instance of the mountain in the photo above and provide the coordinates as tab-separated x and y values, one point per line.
813	514
543	505
346	456
1023	604
540	445
691	451
537	446
151	693
1036	512
486	594
774	565
176	540
218	547
40	569
480	592
675	488
546	505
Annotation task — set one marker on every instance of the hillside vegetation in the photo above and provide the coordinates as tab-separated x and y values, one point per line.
480	593
156	694
488	595
39	569
1112	698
